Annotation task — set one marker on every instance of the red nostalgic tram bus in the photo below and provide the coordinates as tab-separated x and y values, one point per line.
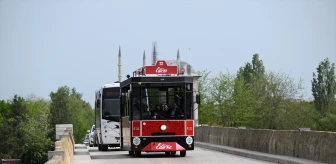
157	111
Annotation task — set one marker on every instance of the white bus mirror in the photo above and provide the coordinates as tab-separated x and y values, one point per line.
98	103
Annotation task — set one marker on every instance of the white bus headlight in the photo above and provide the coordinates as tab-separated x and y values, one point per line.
163	127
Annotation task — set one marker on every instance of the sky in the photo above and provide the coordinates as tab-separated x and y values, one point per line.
45	44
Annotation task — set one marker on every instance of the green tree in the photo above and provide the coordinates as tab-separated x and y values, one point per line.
249	93
296	114
68	107
4	110
4	114
282	106
267	100
24	130
244	104
59	112
324	87
328	122
13	127
221	89
206	113
251	72
36	131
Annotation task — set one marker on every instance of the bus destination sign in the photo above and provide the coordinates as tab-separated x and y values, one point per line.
161	67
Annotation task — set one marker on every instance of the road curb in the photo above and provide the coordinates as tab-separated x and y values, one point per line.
255	155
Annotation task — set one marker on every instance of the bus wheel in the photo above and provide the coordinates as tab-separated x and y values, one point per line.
173	153
130	152
104	147
167	153
183	153
137	153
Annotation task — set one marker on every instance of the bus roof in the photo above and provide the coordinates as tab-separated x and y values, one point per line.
157	79
111	85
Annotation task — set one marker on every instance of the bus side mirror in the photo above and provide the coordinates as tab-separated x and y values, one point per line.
198	99
98	103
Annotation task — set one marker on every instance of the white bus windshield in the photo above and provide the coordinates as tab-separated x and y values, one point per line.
111	109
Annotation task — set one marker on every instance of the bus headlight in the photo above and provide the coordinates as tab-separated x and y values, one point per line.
163	127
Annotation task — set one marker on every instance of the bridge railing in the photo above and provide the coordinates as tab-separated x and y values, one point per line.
301	143
64	146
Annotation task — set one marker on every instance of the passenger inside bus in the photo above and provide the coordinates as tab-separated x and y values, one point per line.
174	112
136	110
164	111
156	111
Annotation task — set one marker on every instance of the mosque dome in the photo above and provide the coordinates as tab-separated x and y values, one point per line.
189	70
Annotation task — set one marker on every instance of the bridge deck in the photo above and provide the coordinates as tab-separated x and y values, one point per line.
201	154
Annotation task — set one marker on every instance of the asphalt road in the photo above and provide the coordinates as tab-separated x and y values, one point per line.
198	156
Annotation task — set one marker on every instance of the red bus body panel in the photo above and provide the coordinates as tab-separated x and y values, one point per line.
136	128
145	128
170	139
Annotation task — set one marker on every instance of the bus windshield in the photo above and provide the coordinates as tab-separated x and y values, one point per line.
111	109
169	101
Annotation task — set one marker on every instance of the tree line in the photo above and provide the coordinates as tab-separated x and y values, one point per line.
27	125
255	98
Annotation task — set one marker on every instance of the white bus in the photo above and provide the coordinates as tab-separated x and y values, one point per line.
107	116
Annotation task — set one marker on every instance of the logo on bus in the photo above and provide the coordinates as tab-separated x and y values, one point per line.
163	146
189	140
136	141
161	70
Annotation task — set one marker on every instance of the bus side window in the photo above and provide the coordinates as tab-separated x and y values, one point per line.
124	105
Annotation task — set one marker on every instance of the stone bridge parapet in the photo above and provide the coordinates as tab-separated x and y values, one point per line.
301	143
64	146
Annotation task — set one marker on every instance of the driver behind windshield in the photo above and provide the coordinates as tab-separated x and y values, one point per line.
144	110
174	112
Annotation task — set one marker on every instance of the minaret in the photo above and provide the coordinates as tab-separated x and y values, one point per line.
154	54
144	59
119	65
178	54
178	61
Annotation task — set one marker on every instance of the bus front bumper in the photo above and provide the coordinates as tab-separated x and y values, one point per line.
163	144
